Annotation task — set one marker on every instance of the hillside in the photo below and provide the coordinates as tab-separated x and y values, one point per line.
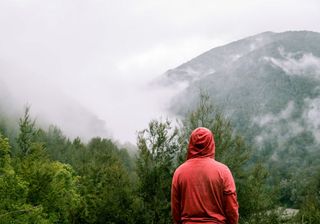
259	80
269	86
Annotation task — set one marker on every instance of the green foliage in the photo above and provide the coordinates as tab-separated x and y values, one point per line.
48	190
14	207
104	184
55	143
310	208
52	185
27	132
157	147
257	201
5	159
100	190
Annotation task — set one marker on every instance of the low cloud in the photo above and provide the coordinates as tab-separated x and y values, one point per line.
278	127
272	119
298	63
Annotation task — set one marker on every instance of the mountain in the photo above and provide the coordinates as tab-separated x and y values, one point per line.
269	86
262	80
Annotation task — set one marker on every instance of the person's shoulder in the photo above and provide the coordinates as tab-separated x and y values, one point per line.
182	168
221	166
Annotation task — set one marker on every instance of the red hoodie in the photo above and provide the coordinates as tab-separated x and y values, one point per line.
203	190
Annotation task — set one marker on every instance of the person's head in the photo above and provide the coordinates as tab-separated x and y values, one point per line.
201	144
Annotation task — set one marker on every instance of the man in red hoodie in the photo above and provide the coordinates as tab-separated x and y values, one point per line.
203	190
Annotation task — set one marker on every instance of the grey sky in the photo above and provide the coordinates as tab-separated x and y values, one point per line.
102	54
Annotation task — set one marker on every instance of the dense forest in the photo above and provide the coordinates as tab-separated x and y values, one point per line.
45	177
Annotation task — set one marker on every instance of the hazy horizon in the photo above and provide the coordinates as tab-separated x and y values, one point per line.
103	55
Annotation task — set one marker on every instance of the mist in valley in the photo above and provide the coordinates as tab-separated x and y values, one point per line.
90	67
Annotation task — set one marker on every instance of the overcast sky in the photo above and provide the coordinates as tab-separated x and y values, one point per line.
102	53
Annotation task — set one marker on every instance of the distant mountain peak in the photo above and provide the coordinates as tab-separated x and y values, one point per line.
257	78
266	44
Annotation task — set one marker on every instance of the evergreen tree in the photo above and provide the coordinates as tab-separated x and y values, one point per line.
310	207
14	206
105	185
52	185
27	132
157	149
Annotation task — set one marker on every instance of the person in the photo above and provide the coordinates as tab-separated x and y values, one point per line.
203	189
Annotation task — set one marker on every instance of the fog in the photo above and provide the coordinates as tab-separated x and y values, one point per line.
87	66
298	63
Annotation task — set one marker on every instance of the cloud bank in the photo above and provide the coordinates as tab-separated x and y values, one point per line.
102	55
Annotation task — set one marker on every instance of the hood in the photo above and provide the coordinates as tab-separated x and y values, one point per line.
201	144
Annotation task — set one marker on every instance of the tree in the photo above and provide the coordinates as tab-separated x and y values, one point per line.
310	207
14	207
5	159
27	132
55	143
105	185
51	185
157	149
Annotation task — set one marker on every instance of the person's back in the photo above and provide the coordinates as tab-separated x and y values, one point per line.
203	189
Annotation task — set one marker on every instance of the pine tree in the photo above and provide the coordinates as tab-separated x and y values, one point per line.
27	133
104	184
157	149
310	207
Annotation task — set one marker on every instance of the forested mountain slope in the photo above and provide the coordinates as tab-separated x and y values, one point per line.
269	86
